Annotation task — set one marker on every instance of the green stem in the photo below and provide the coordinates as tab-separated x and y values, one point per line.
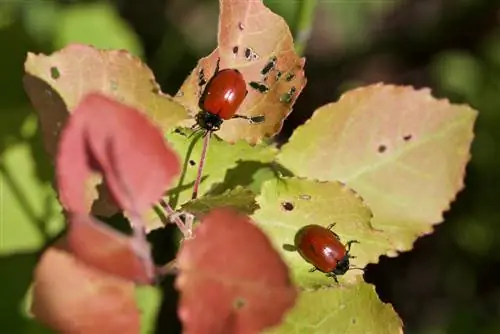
303	24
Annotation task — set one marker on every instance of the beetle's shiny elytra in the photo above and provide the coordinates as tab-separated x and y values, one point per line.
221	98
322	248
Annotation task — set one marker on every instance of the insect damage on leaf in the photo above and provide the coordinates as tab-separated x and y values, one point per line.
400	148
262	51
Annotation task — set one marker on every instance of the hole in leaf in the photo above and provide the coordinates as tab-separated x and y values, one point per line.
250	54
382	148
288	206
239	303
289	247
241	26
54	73
407	137
305	197
235	50
192	162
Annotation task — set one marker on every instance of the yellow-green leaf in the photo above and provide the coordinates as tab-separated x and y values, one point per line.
402	150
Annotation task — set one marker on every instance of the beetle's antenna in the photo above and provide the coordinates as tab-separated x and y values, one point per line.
252	119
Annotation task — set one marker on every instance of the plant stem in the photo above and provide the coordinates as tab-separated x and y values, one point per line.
185	230
206	140
303	24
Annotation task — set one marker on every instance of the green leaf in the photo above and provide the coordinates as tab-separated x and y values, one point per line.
402	150
97	24
348	309
31	215
221	158
240	199
287	205
148	300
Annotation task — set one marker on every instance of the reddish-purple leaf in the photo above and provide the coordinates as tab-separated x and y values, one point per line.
121	143
71	297
231	278
103	248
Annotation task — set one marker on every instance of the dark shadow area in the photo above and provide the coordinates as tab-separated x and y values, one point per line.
16	271
164	242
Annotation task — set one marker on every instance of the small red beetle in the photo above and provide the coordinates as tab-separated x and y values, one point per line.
222	96
322	248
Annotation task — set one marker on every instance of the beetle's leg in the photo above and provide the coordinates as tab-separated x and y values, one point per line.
201	81
329	227
354	267
332	275
217	66
252	119
349	243
313	269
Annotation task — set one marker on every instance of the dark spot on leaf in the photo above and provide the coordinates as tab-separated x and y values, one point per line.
407	137
288	206
192	162
250	54
289	76
241	26
353	321
235	50
54	73
382	148
239	303
289	248
269	66
288	96
278	75
260	87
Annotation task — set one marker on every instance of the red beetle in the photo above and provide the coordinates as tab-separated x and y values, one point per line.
322	248
222	96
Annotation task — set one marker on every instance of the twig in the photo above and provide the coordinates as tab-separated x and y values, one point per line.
206	140
303	24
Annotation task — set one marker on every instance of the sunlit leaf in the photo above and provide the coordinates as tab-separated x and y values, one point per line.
401	149
250	37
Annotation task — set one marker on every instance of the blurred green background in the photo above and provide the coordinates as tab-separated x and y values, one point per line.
449	283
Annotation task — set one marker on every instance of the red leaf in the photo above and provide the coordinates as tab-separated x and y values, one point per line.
231	278
72	298
121	143
112	252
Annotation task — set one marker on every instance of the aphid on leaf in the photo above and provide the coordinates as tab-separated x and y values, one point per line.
322	248
288	96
